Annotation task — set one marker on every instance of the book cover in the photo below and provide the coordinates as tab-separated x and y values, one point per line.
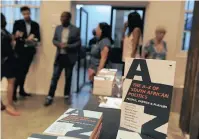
128	134
43	136
80	124
147	94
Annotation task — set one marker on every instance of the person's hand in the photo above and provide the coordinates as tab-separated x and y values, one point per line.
91	74
31	37
13	43
17	34
61	45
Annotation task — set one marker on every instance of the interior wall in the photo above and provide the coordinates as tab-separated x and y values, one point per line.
171	15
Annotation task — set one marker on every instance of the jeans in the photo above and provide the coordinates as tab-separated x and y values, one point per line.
62	62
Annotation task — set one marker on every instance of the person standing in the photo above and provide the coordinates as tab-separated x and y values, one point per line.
133	40
67	40
100	52
156	48
27	35
93	41
8	66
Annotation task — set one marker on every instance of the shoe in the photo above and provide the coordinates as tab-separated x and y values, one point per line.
3	107
24	94
66	97
67	100
48	102
14	99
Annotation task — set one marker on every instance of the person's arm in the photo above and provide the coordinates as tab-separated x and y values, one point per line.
55	38
14	28
165	47
104	56
123	33
124	29
37	34
15	31
136	38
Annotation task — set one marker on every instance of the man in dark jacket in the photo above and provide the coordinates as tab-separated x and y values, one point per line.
27	35
67	40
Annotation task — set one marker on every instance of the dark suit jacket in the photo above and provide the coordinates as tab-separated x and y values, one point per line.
74	42
20	25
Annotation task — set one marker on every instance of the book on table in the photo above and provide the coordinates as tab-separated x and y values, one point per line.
46	136
104	81
74	124
124	133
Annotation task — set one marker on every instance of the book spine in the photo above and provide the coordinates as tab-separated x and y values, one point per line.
98	132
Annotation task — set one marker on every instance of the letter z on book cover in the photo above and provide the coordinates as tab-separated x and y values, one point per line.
128	134
76	124
147	94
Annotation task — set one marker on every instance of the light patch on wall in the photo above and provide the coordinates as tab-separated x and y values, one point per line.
104	9
79	6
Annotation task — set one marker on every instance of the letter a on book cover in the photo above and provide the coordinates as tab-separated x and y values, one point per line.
147	94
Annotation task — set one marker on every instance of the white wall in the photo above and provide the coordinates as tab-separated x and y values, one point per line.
171	15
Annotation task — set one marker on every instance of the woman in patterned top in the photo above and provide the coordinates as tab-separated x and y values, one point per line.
156	48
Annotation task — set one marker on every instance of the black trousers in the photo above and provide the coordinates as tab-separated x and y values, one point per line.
62	62
24	61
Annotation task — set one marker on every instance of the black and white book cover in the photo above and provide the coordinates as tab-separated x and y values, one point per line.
128	134
147	94
74	123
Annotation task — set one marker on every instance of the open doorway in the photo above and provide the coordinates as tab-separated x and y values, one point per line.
96	14
114	16
87	18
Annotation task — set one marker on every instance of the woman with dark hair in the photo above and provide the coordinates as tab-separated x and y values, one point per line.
8	66
100	51
133	40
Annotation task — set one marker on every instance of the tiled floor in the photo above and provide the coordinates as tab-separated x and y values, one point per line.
35	118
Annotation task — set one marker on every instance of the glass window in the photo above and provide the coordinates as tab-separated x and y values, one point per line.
7	2
188	16
11	10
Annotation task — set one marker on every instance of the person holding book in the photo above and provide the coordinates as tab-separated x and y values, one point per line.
8	66
100	51
156	48
27	35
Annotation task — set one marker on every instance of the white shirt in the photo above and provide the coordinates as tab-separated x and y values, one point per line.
127	47
28	27
64	39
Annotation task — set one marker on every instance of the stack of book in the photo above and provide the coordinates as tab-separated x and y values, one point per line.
74	124
104	81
